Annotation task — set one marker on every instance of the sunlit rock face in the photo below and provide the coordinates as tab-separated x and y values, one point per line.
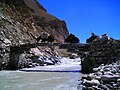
27	19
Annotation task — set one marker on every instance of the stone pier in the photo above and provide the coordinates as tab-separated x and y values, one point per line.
100	52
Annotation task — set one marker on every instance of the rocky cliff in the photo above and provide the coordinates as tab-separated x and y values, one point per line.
21	21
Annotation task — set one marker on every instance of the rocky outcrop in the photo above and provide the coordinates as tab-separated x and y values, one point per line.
39	56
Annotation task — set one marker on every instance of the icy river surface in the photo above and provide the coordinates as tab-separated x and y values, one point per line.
21	80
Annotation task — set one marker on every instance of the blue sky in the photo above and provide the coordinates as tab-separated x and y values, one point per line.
84	16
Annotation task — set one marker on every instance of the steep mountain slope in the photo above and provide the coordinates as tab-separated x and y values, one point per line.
21	21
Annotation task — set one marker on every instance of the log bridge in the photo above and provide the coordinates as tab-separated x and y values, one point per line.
92	54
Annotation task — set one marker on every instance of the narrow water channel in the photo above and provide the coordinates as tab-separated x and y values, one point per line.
19	80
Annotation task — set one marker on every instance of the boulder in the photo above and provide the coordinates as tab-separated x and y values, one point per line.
103	87
89	83
108	78
7	41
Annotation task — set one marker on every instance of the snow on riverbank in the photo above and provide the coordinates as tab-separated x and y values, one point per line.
65	64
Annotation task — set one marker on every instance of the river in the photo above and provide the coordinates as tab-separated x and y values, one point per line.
20	80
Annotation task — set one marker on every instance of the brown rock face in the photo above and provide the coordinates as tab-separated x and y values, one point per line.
28	19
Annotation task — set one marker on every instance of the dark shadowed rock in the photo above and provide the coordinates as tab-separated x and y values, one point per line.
108	78
86	65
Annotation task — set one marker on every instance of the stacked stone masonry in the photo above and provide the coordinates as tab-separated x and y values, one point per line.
100	52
